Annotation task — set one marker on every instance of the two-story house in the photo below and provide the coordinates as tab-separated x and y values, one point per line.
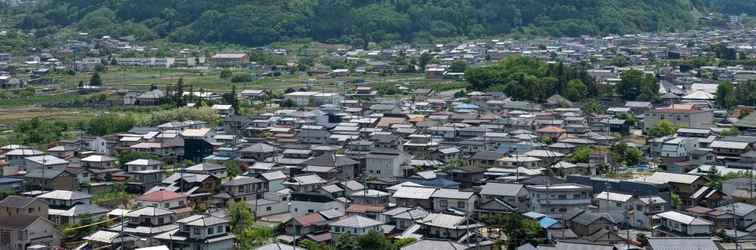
164	199
15	205
414	196
200	232
502	198
559	198
452	199
241	188
147	222
384	163
20	232
147	173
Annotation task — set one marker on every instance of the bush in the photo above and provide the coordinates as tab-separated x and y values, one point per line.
226	73
243	77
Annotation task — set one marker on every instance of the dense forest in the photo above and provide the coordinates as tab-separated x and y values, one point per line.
260	22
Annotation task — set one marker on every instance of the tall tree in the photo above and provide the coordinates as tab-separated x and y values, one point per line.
96	80
725	96
178	95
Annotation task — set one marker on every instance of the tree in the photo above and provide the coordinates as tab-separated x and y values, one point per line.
575	90
629	86
458	66
374	240
729	132
232	99
425	59
593	107
226	73
250	238
402	242
642	239
347	242
233	169
628	155
241	77
663	128
725	95
95	80
519	230
241	216
676	201
178	95
581	155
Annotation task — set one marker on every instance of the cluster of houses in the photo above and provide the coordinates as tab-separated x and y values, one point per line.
431	167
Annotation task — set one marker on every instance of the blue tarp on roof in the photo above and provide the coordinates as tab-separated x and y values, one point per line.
547	222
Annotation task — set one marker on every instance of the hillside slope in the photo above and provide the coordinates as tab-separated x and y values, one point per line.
259	22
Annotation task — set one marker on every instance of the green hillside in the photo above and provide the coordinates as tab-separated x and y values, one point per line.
260	22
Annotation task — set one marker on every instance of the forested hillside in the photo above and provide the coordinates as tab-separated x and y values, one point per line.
259	22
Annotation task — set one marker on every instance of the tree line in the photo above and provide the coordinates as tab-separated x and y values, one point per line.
260	22
531	79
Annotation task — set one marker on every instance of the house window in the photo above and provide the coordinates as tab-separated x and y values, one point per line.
443	203
268	208
161	221
220	229
210	230
461	204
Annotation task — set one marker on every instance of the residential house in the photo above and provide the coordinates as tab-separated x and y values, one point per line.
446	226
147	222
676	224
414	196
304	203
355	225
332	166
213	169
200	232
22	231
452	199
147	173
559	198
586	223
164	199
15	205
50	179
502	198
387	164
240	188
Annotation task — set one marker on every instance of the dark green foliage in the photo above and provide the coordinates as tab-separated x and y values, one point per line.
40	131
663	128
359	22
241	77
531	79
109	124
630	156
725	96
226	73
458	66
636	85
518	229
96	80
